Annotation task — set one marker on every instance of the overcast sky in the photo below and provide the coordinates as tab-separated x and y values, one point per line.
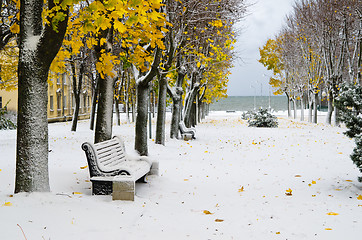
264	21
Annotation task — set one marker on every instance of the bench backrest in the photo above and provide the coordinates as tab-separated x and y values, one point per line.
110	154
105	158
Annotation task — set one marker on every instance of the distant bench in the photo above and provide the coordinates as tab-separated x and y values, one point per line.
113	172
187	133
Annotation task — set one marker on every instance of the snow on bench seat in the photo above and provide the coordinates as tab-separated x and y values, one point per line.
111	168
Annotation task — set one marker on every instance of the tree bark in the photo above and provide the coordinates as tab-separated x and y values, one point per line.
142	85
330	108
38	45
141	120
94	103
161	110
103	130
76	92
177	104
315	114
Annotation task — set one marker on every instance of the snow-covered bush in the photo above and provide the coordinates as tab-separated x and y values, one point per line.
262	118
5	122
247	115
349	102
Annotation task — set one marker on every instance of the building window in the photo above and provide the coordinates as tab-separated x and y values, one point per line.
59	102
1	102
65	101
85	103
58	80
64	79
51	103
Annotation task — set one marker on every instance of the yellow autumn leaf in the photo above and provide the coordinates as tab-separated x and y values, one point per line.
207	212
332	214
298	175
359	197
219	220
77	193
15	28
288	192
84	167
328	229
314	182
8	204
241	189
349	181
0	170
277	233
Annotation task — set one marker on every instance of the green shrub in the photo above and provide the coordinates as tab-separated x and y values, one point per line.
349	102
5	122
262	118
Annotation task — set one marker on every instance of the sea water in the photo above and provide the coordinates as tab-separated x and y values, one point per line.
249	103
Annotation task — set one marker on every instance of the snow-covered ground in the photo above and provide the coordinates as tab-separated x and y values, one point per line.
233	182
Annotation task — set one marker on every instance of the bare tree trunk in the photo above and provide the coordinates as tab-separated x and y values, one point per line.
315	109
94	104
289	105
103	130
142	105
141	120
302	106
118	115
126	98
161	110
76	92
295	108
35	57
177	104
330	108
310	107
336	117
133	104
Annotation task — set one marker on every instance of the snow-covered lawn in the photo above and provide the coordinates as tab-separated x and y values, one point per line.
229	183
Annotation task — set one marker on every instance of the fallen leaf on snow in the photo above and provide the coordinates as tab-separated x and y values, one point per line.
241	189
207	212
77	193
277	233
328	229
289	192
219	220
338	189
8	204
83	167
298	175
359	197
332	213
349	181
314	182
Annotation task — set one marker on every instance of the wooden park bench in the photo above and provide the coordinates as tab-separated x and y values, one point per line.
114	172
187	133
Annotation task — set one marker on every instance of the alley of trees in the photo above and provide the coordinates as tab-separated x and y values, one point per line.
318	50
134	52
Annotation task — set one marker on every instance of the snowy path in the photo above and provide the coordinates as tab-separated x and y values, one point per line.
238	174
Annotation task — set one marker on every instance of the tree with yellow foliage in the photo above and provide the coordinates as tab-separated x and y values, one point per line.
39	41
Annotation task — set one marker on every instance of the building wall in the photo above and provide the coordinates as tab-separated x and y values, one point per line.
11	97
60	99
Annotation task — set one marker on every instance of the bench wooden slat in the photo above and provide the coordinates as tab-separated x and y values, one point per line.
107	159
